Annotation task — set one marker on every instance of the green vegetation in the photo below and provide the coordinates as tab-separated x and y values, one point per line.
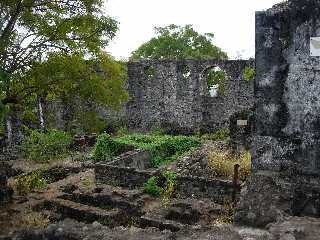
53	50
163	148
220	135
166	191
26	183
151	187
169	187
249	73
179	42
45	146
107	147
215	76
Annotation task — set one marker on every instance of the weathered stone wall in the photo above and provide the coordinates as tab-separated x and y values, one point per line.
163	95
286	148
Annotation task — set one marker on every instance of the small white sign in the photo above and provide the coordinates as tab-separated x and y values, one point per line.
242	123
315	47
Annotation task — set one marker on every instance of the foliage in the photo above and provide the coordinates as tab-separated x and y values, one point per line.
221	134
31	29
166	191
249	73
221	162
163	148
106	148
26	183
52	49
151	187
46	146
215	76
179	42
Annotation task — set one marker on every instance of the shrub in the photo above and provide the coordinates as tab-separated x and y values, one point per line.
219	135
46	146
249	73
168	190
26	183
221	163
227	217
151	187
106	148
163	148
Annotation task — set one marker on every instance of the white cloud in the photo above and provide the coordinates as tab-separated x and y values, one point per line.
232	22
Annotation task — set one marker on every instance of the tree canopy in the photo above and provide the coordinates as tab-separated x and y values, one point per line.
50	48
179	42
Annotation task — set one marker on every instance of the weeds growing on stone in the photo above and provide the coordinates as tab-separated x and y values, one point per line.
163	148
34	220
227	217
219	135
221	163
26	183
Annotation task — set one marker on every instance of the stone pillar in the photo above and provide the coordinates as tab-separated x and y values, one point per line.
286	145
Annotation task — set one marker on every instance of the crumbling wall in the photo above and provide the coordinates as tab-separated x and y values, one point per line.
286	148
173	95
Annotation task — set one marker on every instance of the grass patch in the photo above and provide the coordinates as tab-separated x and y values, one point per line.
163	148
222	161
34	220
222	134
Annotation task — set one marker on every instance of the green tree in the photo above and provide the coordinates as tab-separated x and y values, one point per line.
51	49
32	30
177	42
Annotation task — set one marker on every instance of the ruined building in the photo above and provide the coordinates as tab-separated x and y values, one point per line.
286	147
174	95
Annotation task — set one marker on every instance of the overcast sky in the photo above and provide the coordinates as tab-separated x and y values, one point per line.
232	22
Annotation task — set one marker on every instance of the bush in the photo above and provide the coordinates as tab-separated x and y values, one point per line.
25	184
163	148
249	73
219	135
168	190
221	163
151	187
106	148
46	146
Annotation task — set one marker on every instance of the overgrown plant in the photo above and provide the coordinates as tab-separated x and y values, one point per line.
106	148
219	135
163	148
45	146
166	191
221	163
249	73
151	187
227	217
26	183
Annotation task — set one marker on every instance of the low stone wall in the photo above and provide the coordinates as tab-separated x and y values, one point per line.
127	170
132	170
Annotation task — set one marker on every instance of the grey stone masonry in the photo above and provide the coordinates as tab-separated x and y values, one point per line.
286	145
173	95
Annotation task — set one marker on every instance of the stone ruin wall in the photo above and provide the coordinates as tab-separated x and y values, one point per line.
286	146
179	103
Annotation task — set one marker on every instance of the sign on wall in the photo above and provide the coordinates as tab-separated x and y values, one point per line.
242	123
315	47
